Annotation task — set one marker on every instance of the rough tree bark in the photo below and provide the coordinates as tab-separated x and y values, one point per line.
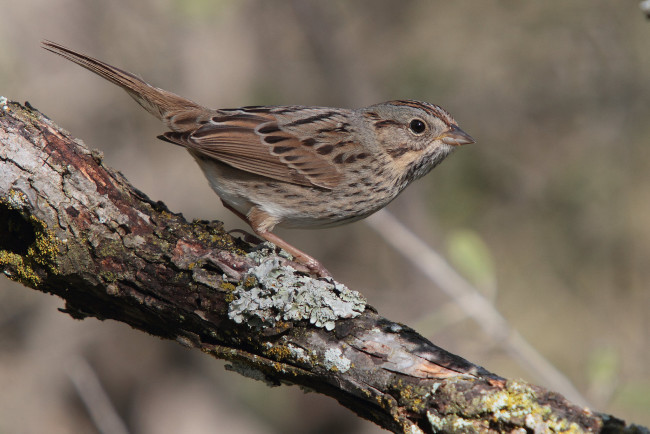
72	227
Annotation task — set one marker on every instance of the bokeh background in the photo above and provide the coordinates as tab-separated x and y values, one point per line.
548	213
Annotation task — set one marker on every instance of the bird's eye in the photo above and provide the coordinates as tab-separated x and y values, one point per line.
417	126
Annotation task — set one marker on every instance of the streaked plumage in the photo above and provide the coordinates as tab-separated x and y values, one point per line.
297	166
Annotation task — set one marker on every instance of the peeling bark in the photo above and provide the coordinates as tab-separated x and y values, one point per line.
72	227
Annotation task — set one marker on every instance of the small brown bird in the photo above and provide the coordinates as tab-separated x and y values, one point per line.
295	166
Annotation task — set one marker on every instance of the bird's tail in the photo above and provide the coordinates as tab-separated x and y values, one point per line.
177	112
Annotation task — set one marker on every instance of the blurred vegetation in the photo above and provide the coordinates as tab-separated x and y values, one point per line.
550	207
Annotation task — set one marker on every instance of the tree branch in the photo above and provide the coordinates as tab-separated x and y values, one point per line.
72	227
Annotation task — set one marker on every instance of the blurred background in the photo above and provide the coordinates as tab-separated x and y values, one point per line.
547	214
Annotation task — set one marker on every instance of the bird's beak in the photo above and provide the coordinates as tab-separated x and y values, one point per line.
455	136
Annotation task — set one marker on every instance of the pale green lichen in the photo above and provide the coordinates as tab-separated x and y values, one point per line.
515	405
455	423
16	199
335	361
270	293
297	353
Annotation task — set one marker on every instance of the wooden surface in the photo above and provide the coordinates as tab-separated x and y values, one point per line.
72	227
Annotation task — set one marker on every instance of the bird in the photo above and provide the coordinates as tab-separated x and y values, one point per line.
297	166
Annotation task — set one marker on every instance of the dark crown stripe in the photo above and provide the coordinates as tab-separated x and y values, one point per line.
431	109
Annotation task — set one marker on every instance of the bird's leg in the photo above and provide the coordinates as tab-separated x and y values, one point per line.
248	237
301	257
262	223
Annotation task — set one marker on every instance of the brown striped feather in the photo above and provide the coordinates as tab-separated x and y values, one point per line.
265	144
